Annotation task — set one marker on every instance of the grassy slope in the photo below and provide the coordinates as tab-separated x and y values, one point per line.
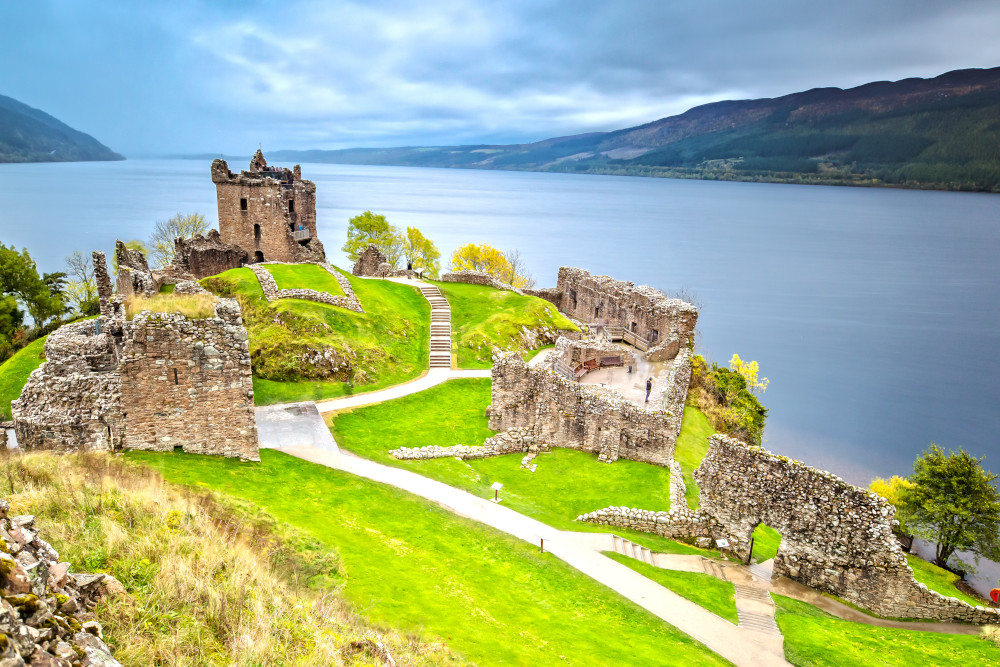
15	371
813	638
411	564
719	597
391	338
482	317
938	579
691	447
566	484
304	276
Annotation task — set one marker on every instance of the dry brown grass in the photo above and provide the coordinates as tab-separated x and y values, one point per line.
991	633
209	583
193	306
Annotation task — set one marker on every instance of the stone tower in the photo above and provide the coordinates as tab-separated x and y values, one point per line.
268	211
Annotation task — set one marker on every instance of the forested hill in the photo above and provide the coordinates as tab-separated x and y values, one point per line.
940	133
30	135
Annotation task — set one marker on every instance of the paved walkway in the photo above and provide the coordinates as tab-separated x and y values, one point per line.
431	378
582	551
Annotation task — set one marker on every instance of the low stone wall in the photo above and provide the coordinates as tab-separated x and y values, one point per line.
478	278
675	524
835	537
189	287
271	292
564	413
508	442
187	383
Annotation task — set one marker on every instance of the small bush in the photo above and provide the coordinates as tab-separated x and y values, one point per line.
723	396
193	306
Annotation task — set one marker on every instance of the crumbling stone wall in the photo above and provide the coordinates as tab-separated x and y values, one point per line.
835	537
269	286
668	324
207	255
517	440
134	276
261	209
187	383
564	413
369	261
478	278
104	288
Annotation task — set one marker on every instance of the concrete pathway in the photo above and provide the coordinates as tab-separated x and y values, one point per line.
431	378
582	551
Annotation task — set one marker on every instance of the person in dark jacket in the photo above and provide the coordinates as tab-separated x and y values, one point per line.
649	388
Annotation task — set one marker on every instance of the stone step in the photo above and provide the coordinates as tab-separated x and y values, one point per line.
753	593
760	572
758	623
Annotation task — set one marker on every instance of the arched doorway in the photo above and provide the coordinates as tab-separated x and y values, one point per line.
258	257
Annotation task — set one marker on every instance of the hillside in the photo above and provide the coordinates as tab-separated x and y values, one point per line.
30	135
939	133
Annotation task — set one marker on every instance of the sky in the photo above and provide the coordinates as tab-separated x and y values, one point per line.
190	76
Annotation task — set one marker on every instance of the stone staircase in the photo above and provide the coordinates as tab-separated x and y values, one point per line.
755	609
632	550
440	327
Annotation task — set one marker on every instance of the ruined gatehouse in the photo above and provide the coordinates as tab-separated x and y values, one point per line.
270	212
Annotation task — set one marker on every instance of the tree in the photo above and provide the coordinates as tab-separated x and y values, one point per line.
749	371
161	243
483	257
892	489
517	275
952	502
40	295
421	253
134	244
81	289
372	228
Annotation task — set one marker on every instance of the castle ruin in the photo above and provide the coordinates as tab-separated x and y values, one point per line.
270	212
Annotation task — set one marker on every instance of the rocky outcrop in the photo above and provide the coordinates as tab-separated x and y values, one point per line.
46	613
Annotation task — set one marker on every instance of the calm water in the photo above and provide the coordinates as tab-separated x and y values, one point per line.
875	313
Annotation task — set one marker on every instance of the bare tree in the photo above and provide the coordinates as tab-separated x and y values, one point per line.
161	243
517	271
81	287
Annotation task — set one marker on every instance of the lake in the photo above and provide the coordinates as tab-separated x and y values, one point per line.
875	313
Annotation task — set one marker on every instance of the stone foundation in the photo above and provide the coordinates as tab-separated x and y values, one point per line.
508	442
564	413
271	292
478	278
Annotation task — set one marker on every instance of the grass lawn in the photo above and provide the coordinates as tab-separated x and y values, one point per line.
15	371
386	345
567	482
814	638
304	276
939	580
411	564
691	447
765	543
483	317
715	595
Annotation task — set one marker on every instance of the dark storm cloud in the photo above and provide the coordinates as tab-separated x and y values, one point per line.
217	76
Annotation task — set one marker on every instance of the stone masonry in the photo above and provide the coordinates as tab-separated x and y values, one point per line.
369	261
271	292
478	278
134	276
667	324
564	413
159	381
269	212
835	537
207	255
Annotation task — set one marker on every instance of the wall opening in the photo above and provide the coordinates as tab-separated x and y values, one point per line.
175	376
256	232
764	542
291	206
656	334
258	256
243	203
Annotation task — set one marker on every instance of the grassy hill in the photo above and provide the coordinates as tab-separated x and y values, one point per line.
939	133
31	135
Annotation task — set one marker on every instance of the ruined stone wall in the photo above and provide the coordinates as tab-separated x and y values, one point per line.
835	537
668	324
105	291
369	261
477	278
277	201
72	401
207	255
564	413
187	383
134	276
271	292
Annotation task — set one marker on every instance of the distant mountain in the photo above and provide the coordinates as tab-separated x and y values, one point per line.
940	133
30	135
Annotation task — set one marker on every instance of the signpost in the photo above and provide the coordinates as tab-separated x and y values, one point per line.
496	486
722	543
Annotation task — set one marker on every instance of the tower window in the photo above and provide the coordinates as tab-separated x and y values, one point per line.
256	232
243	203
291	206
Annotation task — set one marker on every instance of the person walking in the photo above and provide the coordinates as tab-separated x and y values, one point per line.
649	388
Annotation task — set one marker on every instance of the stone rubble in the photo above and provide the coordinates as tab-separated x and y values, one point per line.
46	612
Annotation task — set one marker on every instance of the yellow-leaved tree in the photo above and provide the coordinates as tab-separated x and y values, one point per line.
484	257
421	253
750	371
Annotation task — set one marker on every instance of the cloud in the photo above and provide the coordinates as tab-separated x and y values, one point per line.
218	76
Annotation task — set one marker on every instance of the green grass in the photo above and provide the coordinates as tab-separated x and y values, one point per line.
304	276
483	317
386	345
690	450
765	543
939	579
167	288
566	484
814	638
410	564
715	595
15	371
